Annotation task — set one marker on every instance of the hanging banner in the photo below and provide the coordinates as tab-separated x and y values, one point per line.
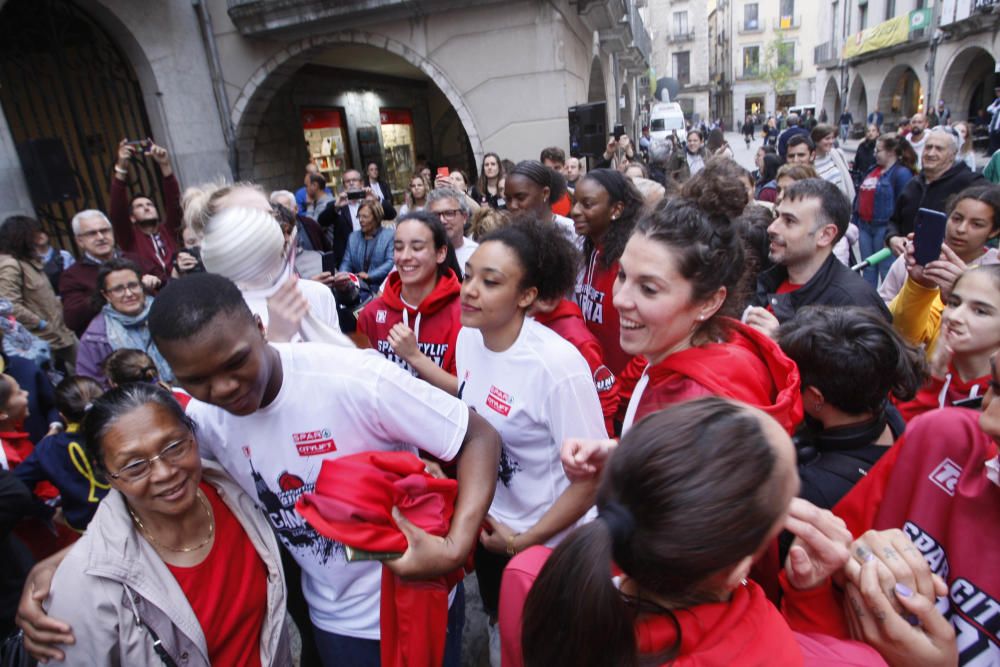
889	33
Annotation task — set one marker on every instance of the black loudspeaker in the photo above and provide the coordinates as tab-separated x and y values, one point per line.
588	130
48	171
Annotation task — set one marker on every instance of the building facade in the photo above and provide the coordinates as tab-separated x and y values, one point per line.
902	56
680	33
763	56
252	90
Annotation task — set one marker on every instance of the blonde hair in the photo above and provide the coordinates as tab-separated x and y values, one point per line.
201	202
796	172
966	146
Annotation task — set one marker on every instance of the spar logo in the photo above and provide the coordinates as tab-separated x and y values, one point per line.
946	476
380	316
499	401
312	443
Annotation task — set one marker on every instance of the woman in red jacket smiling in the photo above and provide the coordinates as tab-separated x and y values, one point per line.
415	321
679	274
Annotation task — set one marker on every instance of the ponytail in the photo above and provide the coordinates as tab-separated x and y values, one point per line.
574	614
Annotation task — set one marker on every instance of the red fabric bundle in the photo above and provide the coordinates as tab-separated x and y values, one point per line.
353	505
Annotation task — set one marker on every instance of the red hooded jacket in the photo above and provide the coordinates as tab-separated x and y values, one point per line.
593	295
435	321
934	485
748	367
567	321
353	505
942	393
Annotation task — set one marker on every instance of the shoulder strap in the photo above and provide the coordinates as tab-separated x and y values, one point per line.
158	648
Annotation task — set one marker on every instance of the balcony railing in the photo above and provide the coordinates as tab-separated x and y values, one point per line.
749	27
749	73
793	66
788	22
677	37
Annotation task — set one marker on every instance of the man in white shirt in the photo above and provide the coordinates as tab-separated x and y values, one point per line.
918	135
449	205
271	414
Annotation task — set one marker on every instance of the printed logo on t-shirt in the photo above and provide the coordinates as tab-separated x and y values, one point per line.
946	475
380	316
604	379
508	467
291	528
973	612
591	302
433	351
312	443
499	401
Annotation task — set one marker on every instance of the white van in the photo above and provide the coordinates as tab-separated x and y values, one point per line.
666	123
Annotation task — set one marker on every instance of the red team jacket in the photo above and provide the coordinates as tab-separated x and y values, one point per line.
435	322
593	295
933	485
749	367
953	389
567	321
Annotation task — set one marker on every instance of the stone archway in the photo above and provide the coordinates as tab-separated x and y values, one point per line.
831	99
256	95
967	84
857	100
901	94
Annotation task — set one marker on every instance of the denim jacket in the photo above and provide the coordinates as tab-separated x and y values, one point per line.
890	184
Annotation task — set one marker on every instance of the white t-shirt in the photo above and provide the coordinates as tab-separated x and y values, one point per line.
536	394
465	252
322	305
567	227
333	401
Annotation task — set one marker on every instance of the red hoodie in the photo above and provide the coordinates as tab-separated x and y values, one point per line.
748	367
746	630
435	322
942	393
593	295
932	484
567	321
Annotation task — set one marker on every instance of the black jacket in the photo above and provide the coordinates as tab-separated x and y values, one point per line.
833	285
918	194
337	226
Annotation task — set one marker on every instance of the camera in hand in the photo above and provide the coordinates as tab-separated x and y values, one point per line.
144	145
355	194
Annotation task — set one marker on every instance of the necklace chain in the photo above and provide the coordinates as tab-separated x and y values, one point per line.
149	536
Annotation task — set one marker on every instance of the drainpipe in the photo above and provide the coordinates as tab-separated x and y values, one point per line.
218	86
932	58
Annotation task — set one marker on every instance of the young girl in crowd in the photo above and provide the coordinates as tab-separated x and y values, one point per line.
850	360
966	152
680	273
973	221
416	195
487	191
606	209
61	459
16	445
684	531
125	366
416	319
530	384
532	188
176	552
970	336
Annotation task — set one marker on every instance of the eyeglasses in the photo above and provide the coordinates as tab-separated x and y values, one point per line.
449	214
103	231
139	470
119	290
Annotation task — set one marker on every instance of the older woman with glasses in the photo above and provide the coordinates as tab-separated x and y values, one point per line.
121	324
178	567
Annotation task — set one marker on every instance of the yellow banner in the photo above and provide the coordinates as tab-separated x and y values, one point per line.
891	32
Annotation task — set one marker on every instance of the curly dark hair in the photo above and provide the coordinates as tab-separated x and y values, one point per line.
17	236
620	189
549	260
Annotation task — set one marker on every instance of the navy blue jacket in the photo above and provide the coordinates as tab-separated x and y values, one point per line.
62	460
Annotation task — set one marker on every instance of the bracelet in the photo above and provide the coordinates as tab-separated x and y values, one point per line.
511	550
120	171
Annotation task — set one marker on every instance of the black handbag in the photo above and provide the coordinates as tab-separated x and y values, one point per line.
13	653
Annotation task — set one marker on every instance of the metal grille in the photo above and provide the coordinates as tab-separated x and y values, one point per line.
63	78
